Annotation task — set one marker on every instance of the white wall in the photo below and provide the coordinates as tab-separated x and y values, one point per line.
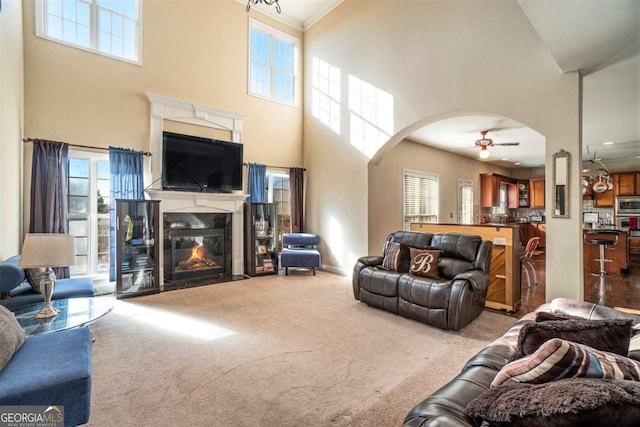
435	57
11	102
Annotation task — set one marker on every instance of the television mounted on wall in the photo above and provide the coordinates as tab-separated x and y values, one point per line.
191	163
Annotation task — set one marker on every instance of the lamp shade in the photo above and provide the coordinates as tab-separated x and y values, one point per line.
47	250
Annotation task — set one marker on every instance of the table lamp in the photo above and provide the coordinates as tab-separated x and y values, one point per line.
47	250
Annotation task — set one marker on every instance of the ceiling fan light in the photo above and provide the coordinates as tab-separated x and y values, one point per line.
484	153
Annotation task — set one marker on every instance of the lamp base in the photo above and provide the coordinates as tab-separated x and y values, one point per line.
47	284
47	311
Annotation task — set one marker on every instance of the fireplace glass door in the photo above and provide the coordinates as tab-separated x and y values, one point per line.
137	249
261	234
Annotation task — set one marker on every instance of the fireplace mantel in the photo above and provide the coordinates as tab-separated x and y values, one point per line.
186	201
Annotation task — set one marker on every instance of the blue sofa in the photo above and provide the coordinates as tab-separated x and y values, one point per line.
18	293
51	369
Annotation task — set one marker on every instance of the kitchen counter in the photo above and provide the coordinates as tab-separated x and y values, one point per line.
504	275
617	253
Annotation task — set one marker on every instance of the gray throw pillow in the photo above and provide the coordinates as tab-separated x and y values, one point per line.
611	335
12	336
35	275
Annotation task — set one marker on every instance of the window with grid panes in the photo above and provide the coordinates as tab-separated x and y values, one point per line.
419	198
273	63
278	192
88	211
107	27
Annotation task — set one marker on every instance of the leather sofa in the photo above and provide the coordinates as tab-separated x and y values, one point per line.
17	293
446	406
450	301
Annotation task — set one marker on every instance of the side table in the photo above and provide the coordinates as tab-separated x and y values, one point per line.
74	312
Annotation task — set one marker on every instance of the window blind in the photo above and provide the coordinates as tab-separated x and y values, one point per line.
420	198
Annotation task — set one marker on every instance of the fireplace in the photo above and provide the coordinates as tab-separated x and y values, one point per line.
197	248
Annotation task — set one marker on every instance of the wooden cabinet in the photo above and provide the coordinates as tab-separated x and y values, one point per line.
496	190
626	183
137	253
523	194
634	246
536	194
618	253
537	230
504	291
603	200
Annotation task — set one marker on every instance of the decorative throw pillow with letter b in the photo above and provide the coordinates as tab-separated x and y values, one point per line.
424	262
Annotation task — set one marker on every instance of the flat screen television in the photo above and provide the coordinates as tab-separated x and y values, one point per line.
191	163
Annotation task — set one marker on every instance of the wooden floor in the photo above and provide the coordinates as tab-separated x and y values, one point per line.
612	291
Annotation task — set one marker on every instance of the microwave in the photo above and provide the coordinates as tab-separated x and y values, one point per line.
627	206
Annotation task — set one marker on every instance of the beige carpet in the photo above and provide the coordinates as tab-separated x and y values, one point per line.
270	351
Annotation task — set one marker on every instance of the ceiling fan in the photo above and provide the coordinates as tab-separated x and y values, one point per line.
485	142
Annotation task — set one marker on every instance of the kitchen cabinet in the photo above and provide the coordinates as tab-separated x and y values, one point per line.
603	200
634	246
498	190
504	291
537	230
523	194
536	194
626	183
137	253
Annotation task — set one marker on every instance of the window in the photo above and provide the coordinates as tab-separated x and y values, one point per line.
465	201
107	27
273	64
278	191
419	198
88	210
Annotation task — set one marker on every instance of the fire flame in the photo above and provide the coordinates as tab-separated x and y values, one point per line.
197	260
197	254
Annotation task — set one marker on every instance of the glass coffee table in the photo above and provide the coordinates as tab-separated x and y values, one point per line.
74	312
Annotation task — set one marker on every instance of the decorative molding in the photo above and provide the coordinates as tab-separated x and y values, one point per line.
167	108
185	201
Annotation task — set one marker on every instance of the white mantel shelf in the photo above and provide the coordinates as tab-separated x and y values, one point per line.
186	201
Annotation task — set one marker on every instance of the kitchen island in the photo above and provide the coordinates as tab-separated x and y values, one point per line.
504	286
617	254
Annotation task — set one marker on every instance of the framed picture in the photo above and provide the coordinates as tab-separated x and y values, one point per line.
262	249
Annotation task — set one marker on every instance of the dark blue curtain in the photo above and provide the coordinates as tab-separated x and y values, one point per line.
126	183
49	172
257	178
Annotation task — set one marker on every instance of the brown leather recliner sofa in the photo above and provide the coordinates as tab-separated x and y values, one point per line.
451	301
447	406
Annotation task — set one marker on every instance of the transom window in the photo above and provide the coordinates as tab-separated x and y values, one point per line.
419	197
273	64
107	27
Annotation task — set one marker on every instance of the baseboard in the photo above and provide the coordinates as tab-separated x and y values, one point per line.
335	270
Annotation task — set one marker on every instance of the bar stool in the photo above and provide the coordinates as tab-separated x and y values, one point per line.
610	238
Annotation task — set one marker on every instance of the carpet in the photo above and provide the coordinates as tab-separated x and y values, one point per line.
270	351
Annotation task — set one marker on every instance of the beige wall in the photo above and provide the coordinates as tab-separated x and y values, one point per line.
386	178
11	101
434	57
193	50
